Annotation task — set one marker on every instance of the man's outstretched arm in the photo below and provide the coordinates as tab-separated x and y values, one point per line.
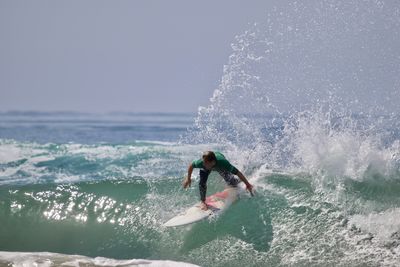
188	180
245	181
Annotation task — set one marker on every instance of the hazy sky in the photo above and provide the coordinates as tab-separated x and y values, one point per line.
101	56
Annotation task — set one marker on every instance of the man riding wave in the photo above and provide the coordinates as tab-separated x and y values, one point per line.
214	161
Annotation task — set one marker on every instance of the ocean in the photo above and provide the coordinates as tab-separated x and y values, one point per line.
94	190
307	108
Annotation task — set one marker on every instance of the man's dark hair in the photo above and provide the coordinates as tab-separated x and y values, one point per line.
209	156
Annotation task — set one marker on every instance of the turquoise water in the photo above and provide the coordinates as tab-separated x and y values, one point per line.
110	200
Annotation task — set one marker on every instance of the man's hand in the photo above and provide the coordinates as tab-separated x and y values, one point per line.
187	182
249	188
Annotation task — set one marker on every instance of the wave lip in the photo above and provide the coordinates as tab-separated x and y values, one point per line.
47	259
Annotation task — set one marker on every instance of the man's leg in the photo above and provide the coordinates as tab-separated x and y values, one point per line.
229	178
203	183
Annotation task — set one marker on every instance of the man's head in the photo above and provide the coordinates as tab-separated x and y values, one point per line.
209	160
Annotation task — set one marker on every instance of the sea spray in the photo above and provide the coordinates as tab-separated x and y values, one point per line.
300	75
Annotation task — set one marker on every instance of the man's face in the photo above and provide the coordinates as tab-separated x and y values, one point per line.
209	165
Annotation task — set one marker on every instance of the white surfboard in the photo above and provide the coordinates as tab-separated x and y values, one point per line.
216	203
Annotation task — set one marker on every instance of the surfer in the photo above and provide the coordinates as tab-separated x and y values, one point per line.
214	161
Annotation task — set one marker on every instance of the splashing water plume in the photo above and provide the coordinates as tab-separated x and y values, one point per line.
313	78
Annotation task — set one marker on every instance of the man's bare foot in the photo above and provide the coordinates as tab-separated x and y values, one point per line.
203	206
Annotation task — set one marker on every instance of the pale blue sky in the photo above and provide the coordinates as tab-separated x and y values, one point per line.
101	56
168	56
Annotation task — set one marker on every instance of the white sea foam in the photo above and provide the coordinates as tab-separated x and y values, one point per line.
321	149
383	225
13	151
47	259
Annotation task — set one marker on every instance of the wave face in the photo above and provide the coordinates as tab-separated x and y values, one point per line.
111	200
307	108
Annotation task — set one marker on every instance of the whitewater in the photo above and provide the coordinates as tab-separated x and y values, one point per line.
307	108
